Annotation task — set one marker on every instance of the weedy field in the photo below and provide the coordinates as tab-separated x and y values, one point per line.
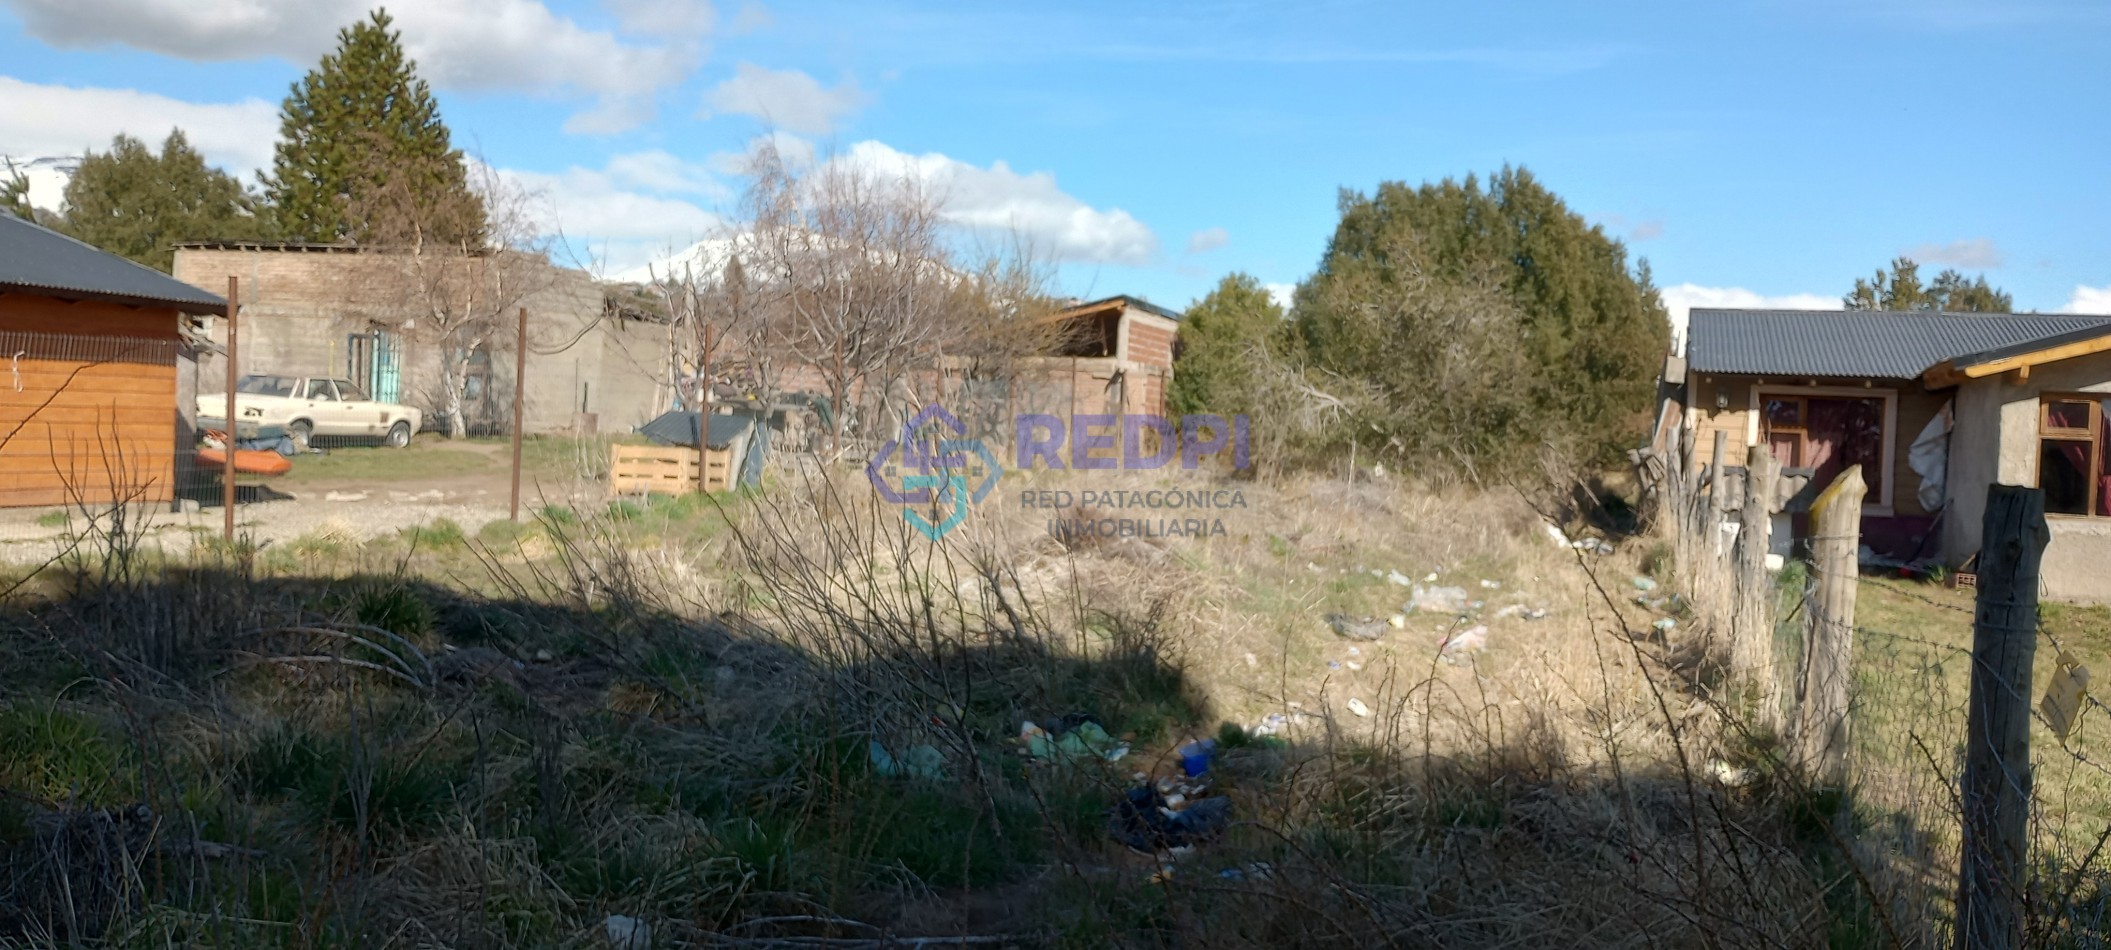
784	718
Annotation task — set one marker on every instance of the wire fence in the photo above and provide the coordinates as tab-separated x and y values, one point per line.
1901	812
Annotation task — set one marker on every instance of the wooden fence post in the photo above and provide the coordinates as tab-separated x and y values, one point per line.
1828	641
1715	472
1996	793
1752	624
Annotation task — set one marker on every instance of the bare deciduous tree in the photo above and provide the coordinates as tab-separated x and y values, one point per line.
457	298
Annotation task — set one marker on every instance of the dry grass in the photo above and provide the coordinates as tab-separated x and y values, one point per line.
675	727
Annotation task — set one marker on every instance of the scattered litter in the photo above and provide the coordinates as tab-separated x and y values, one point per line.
1086	739
1395	577
2063	696
345	496
1270	725
1252	661
1333	664
1430	577
1195	757
1536	613
1730	775
1353	666
1446	600
1510	610
1492	585
920	761
1356	706
1476	604
1144	821
1258	871
1593	545
544	656
1397	621
1664	624
1559	537
1644	583
1355	651
1775	562
627	933
1470	640
1366	628
1314	568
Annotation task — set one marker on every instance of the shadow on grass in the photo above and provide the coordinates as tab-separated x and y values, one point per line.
213	759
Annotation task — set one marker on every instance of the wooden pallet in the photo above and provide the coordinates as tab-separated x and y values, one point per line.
666	470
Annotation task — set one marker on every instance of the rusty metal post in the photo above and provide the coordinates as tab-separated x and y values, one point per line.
520	421
703	407
227	449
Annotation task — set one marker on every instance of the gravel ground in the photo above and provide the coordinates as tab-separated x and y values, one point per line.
360	510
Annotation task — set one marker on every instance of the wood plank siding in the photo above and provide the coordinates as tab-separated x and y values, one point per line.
88	408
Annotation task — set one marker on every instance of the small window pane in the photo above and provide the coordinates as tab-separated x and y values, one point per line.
2067	414
1784	413
2063	472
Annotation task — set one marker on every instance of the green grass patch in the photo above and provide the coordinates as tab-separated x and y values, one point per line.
55	518
417	462
58	756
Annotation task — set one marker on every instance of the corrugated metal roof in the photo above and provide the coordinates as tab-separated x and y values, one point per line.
679	428
1883	345
39	259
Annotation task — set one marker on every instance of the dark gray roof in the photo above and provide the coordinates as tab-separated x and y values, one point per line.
36	258
679	428
1863	343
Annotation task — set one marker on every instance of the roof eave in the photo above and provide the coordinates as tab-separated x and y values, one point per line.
215	305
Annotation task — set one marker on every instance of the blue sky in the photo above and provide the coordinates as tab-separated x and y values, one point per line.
1755	152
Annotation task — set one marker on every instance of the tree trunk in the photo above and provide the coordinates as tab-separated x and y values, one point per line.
454	377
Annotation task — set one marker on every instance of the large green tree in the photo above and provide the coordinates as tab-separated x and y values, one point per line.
361	140
1899	288
1494	320
1222	337
133	202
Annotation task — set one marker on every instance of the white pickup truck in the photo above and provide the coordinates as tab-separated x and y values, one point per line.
310	406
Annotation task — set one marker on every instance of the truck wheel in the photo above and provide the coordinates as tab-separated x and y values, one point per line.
399	435
300	431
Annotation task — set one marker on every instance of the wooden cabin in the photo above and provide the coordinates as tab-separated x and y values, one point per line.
92	402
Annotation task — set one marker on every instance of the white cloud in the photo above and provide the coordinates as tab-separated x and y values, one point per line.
624	213
1975	253
2088	299
1684	297
788	99
1207	239
42	121
752	17
1281	294
517	45
1031	205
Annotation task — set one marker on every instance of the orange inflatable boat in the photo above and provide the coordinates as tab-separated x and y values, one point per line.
247	461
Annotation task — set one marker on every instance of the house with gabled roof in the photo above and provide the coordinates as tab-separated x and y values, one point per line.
1935	407
97	378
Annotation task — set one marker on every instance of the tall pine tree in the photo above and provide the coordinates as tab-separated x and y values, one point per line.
1899	288
360	139
132	202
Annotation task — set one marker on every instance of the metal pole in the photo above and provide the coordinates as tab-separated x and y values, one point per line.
227	448
703	409
520	385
